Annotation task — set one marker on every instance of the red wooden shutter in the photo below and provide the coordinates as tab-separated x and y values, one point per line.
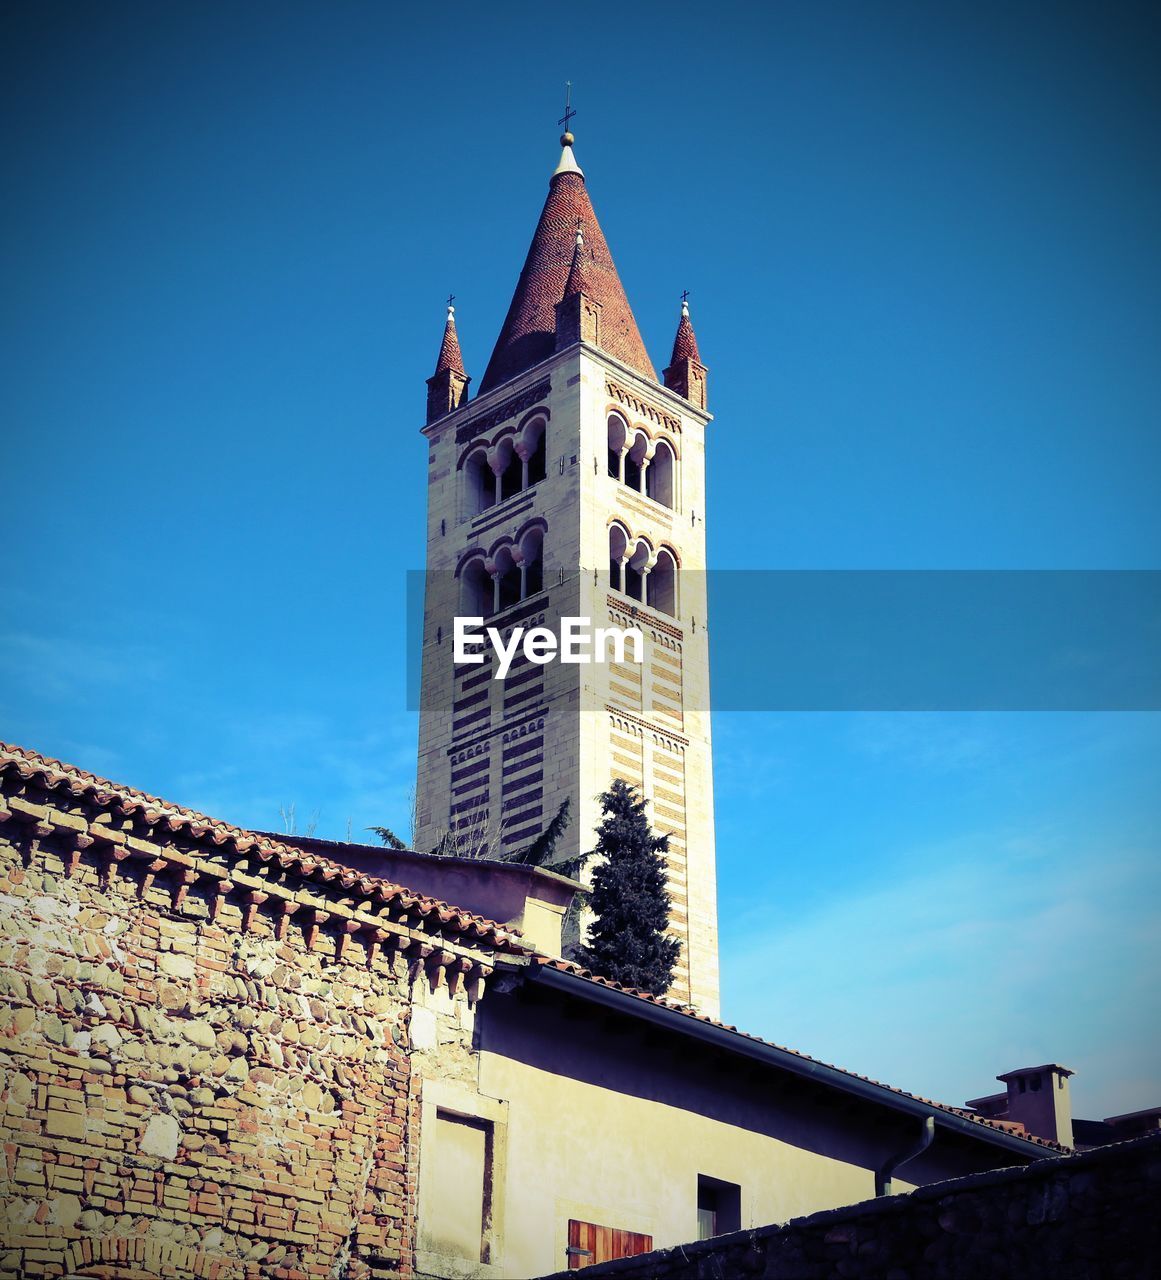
589	1243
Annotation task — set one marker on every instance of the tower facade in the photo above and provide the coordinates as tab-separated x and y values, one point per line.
572	485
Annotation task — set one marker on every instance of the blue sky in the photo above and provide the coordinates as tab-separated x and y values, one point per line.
922	254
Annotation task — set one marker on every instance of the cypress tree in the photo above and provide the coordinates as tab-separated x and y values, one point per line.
627	941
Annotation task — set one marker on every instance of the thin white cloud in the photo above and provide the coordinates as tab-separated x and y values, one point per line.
940	980
60	666
932	741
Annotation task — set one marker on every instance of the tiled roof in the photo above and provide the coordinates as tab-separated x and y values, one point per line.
54	775
449	348
529	332
1003	1126
684	342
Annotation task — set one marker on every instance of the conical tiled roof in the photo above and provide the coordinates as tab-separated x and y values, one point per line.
449	348
528	335
684	344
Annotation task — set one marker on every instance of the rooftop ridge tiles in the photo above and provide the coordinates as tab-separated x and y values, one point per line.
56	774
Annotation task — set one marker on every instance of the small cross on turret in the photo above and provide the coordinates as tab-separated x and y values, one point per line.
566	139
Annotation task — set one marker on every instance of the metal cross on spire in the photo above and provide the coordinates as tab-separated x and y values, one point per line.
568	111
451	297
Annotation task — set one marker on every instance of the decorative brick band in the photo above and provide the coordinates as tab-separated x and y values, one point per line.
626	397
619	611
508	409
635	725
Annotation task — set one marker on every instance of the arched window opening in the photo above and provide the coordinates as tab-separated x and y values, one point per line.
663	583
635	571
659	476
479	483
507	579
635	463
506	467
534	444
618	433
511	477
476	589
538	463
618	542
532	548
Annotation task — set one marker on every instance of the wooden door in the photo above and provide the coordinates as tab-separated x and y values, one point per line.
589	1243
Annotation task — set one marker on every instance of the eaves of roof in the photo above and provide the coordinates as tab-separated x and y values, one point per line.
569	979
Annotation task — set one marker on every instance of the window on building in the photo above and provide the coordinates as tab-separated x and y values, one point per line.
662	584
589	1243
719	1207
535	436
460	1193
636	570
618	433
511	478
477	592
618	546
635	462
507	579
630	461
479	483
659	476
493	475
532	553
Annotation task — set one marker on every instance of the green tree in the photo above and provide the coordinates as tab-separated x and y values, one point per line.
542	851
388	837
627	941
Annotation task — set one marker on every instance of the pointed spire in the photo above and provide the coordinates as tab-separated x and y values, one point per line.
578	313
685	343
529	334
686	374
447	388
449	348
576	282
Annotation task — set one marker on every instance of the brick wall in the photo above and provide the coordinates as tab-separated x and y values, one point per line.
1071	1218
200	1069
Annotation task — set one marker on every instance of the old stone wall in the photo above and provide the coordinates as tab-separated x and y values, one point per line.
1070	1218
203	1059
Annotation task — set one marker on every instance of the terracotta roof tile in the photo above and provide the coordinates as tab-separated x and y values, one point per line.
529	331
54	775
449	348
684	343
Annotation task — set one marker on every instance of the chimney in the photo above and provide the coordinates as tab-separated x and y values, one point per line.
1038	1098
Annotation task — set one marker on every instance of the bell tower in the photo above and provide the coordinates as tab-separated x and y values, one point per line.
572	485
